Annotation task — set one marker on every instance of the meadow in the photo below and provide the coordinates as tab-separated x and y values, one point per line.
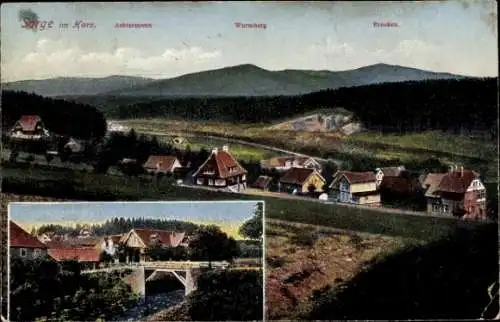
476	153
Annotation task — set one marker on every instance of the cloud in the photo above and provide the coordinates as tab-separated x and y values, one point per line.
414	47
330	47
53	58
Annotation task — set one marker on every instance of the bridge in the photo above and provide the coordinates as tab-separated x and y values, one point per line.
185	271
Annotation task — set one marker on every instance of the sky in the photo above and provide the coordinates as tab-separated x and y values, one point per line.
455	36
98	212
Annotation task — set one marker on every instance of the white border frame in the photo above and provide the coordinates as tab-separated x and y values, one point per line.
264	313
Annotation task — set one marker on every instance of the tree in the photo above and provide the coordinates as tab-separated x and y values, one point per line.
252	228
211	243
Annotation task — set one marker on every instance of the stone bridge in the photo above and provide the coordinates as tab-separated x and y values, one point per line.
186	272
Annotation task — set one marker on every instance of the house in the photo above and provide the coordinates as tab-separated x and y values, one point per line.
44	238
262	182
388	172
29	127
138	240
302	180
23	245
162	164
84	233
459	192
88	256
355	187
286	163
109	244
221	170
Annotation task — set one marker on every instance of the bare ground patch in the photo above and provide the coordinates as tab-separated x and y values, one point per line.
303	258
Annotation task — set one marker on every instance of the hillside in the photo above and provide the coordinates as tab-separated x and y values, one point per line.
240	80
448	105
75	85
61	117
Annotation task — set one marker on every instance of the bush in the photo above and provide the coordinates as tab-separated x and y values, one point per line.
305	239
227	295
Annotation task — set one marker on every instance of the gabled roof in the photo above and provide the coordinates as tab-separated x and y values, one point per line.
21	238
431	183
163	237
359	177
29	122
87	254
457	181
299	175
221	162
161	162
262	182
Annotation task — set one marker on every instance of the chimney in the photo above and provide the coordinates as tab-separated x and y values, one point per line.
462	171
225	148
215	150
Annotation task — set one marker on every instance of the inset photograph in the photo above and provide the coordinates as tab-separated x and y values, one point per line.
136	261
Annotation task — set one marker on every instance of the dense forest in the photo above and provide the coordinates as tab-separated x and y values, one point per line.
449	105
59	116
117	226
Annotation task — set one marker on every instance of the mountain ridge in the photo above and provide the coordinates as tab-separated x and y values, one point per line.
237	80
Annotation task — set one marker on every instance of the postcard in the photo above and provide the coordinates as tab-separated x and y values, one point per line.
368	128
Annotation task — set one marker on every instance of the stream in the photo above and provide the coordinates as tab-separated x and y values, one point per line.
152	304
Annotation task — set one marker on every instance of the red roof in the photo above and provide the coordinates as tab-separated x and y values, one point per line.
88	254
223	164
298	175
28	122
163	237
20	238
161	162
457	181
359	177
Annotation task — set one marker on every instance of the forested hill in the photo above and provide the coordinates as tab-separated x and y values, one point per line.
59	116
121	225
450	105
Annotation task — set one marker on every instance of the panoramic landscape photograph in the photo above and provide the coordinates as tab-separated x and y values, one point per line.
369	129
136	261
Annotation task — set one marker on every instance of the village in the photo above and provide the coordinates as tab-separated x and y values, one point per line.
145	264
457	193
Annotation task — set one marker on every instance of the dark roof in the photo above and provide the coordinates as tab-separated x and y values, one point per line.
221	162
457	181
359	177
28	122
21	238
298	175
399	184
161	162
262	182
88	254
163	237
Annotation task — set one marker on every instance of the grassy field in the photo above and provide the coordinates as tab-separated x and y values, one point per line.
94	187
448	148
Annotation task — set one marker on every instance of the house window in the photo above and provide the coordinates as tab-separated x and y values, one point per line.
436	208
37	252
446	208
199	181
481	194
344	186
210	182
23	252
